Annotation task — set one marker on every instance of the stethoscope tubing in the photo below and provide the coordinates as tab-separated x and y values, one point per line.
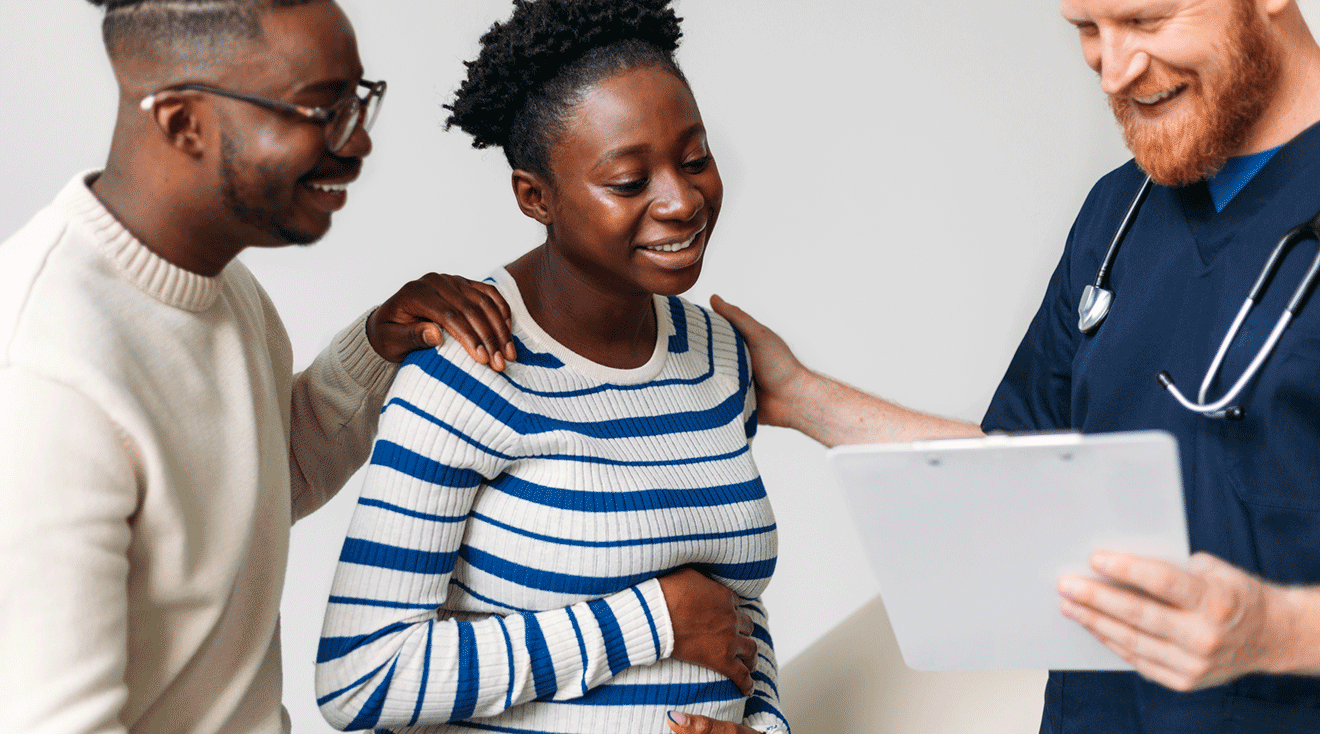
1223	408
1120	234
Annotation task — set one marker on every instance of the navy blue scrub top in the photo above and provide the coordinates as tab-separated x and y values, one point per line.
1252	487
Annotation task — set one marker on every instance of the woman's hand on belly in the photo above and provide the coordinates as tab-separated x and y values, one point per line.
683	723
709	628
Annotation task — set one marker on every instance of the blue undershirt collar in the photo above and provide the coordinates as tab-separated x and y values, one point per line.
1236	174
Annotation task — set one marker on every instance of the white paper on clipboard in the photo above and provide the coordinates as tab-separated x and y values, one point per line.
967	538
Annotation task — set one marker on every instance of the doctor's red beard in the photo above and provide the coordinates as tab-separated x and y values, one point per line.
1195	144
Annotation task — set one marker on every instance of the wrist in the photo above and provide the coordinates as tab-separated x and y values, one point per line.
804	394
834	413
1291	643
652	593
369	330
360	358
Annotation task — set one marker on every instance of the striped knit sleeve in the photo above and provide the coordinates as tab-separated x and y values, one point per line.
388	655
763	712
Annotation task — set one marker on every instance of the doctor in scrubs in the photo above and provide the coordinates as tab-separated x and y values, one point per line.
1218	101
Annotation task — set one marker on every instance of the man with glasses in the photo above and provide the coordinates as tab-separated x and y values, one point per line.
155	445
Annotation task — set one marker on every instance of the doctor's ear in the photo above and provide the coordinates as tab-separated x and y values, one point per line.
178	118
534	195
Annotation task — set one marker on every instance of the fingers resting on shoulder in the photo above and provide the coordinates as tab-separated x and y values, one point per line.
418	315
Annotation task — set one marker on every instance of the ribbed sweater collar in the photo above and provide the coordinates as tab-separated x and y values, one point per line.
613	375
144	269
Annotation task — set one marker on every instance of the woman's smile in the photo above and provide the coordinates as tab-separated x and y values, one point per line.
676	255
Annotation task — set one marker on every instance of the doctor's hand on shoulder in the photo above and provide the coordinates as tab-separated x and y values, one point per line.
473	312
1198	627
780	378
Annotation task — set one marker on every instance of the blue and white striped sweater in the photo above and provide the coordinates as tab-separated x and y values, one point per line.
499	572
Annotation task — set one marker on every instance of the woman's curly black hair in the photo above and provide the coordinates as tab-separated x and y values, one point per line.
534	67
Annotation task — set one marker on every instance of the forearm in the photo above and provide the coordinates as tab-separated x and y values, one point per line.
429	671
790	395
335	407
834	414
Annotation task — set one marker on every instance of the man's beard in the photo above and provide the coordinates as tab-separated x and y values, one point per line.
1196	145
254	204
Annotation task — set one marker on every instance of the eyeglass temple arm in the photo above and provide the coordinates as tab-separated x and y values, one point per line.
315	113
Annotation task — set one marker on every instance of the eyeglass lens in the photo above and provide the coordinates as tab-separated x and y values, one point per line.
342	127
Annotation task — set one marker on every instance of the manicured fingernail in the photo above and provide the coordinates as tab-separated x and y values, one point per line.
497	361
481	354
678	717
1069	587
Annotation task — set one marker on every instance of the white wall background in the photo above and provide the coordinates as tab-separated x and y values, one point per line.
900	177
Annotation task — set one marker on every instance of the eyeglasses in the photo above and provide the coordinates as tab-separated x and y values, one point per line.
340	119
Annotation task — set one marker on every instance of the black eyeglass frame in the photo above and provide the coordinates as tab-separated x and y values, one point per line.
335	137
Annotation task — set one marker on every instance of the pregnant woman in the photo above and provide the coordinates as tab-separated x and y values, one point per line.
536	550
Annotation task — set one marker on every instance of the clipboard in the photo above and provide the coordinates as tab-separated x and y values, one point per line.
967	538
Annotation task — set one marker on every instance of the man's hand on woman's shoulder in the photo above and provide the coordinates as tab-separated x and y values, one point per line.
473	312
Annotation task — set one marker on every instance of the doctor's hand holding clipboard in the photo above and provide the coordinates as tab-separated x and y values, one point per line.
1193	628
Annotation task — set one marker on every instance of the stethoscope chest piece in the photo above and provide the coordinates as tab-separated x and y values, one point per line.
1096	298
1093	307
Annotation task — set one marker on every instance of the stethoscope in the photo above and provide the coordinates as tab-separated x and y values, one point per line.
1097	298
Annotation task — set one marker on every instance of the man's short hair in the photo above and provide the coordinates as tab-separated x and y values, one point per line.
156	27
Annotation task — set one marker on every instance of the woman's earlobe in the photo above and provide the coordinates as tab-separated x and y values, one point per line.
533	195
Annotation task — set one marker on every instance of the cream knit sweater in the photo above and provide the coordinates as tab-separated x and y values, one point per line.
155	447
